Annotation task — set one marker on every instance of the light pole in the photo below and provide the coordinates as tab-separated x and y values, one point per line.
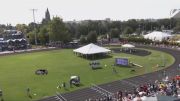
163	60
170	19
35	35
171	12
150	24
139	29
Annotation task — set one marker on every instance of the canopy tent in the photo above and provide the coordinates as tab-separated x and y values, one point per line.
157	36
128	46
175	13
178	41
91	49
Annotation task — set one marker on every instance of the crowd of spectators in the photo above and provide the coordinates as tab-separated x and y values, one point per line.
165	87
161	45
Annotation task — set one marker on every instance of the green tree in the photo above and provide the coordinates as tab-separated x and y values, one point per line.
22	27
177	28
43	35
128	30
133	24
32	26
92	37
31	37
57	30
114	33
83	39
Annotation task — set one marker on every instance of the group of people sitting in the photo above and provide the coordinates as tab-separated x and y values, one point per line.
41	72
95	64
145	91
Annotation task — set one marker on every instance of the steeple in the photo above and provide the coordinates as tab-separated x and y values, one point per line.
47	15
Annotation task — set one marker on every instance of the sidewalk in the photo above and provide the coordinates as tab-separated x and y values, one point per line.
27	50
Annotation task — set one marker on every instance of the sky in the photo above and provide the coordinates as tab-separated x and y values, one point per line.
19	11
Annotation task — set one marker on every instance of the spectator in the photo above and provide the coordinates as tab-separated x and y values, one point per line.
137	98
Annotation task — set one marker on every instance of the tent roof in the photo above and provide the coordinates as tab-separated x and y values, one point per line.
91	49
178	41
157	35
176	14
128	46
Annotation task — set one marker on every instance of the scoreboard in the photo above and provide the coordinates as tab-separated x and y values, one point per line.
122	61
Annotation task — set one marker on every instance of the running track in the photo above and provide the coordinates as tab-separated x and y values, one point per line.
126	84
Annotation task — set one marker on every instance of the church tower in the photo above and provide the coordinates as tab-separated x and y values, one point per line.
47	15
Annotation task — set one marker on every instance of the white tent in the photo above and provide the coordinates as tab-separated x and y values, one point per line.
128	46
157	36
178	41
175	13
91	49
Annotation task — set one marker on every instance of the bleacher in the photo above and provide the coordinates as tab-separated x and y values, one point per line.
12	40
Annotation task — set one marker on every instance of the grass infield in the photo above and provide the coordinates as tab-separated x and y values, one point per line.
17	72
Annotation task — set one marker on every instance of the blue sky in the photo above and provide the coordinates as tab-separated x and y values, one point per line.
18	11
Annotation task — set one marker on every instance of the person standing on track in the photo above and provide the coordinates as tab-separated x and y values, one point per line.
179	67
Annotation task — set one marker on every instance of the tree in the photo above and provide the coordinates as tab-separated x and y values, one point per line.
92	37
22	27
72	29
133	24
43	35
32	26
128	30
82	29
31	37
57	30
83	39
114	33
177	28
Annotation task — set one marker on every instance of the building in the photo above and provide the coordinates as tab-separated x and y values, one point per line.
47	17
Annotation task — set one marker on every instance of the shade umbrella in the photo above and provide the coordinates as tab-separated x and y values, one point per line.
128	46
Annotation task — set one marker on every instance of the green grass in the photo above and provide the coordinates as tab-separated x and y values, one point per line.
17	72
